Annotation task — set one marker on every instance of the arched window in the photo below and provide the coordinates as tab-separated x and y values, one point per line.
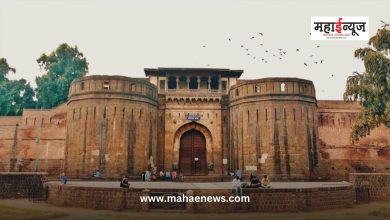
193	82
172	82
182	82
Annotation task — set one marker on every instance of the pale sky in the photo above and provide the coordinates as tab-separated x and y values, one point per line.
124	37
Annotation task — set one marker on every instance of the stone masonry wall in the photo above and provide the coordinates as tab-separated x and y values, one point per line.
37	138
261	200
112	126
273	127
338	156
377	183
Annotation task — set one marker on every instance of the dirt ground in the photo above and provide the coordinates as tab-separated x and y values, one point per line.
29	210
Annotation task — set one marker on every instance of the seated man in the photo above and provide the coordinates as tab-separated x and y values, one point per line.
64	178
174	176
255	182
97	174
125	182
148	176
161	175
168	176
265	182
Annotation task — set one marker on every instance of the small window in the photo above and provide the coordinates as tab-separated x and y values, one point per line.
224	86
82	86
162	84
237	92
106	85
283	87
133	88
257	89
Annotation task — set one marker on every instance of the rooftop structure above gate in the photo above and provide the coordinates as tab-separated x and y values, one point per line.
193	81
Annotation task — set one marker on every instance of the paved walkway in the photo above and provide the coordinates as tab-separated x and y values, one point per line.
210	185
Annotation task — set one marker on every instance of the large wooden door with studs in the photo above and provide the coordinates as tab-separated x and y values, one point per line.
192	160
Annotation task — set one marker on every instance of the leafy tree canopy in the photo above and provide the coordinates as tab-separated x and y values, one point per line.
62	66
15	95
371	87
5	69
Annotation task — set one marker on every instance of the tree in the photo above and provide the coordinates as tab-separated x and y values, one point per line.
15	95
5	69
62	66
371	87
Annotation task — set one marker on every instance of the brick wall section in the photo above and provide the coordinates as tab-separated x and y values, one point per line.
281	200
94	198
21	185
377	183
18	137
262	200
338	156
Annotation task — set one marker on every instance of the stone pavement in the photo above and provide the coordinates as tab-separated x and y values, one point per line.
209	185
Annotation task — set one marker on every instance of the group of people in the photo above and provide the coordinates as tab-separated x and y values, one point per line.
254	182
162	176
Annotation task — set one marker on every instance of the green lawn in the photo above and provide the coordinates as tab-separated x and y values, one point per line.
12	213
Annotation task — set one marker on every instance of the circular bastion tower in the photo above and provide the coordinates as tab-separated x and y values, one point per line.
273	127
111	126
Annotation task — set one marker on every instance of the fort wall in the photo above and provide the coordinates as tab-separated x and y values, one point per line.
273	127
112	126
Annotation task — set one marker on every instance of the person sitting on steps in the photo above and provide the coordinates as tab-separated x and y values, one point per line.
265	182
125	182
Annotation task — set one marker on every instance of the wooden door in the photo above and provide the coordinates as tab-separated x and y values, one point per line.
193	153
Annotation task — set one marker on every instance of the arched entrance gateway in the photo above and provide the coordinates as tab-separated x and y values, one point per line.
193	149
192	155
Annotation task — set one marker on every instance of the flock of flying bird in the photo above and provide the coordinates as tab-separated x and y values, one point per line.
278	54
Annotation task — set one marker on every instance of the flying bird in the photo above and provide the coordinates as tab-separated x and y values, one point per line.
252	38
322	61
332	75
204	45
266	51
305	64
318	46
315	62
297	50
261	34
261	44
230	39
311	55
242	45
